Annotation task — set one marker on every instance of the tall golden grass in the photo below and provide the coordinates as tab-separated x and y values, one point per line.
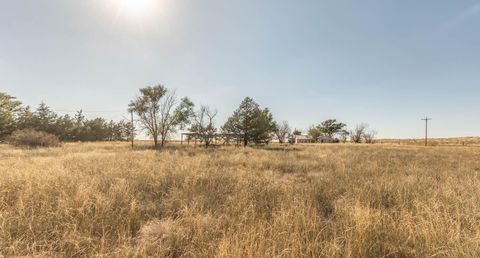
301	201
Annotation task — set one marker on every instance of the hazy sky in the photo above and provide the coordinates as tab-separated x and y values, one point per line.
385	62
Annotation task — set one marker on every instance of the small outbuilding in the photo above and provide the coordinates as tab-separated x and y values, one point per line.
299	139
327	139
303	139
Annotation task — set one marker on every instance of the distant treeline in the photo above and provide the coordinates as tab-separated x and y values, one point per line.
16	116
160	115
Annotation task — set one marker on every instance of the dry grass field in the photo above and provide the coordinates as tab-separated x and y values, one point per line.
460	141
298	201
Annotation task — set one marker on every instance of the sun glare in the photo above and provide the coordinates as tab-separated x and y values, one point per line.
136	8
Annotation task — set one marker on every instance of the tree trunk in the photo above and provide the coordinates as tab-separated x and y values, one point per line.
155	140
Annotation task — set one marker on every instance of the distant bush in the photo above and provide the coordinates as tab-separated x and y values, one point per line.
33	139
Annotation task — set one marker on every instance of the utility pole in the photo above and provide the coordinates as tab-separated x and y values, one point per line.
131	127
426	119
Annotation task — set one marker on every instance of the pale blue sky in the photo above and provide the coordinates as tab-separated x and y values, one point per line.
384	62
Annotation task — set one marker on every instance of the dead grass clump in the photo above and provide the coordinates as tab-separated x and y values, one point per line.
186	236
30	138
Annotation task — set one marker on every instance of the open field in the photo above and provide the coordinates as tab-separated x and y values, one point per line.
460	141
299	201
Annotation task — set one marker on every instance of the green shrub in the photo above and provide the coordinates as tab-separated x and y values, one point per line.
33	139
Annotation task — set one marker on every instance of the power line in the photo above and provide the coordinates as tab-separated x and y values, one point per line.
132	129
426	119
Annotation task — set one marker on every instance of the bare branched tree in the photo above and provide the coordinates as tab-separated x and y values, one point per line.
174	114
166	116
282	131
204	125
356	135
369	136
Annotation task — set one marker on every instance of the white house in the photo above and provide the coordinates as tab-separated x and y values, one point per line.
308	139
303	139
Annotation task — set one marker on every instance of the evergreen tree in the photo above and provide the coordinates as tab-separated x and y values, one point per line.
10	110
44	119
251	123
25	119
65	128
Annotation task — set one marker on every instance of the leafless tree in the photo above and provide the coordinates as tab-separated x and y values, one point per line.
369	136
282	131
357	134
166	121
203	124
173	114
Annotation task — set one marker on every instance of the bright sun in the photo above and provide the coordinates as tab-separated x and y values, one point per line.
135	7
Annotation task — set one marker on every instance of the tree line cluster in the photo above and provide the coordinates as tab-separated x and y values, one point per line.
161	114
14	116
332	131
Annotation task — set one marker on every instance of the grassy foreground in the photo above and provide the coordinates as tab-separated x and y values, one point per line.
302	201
